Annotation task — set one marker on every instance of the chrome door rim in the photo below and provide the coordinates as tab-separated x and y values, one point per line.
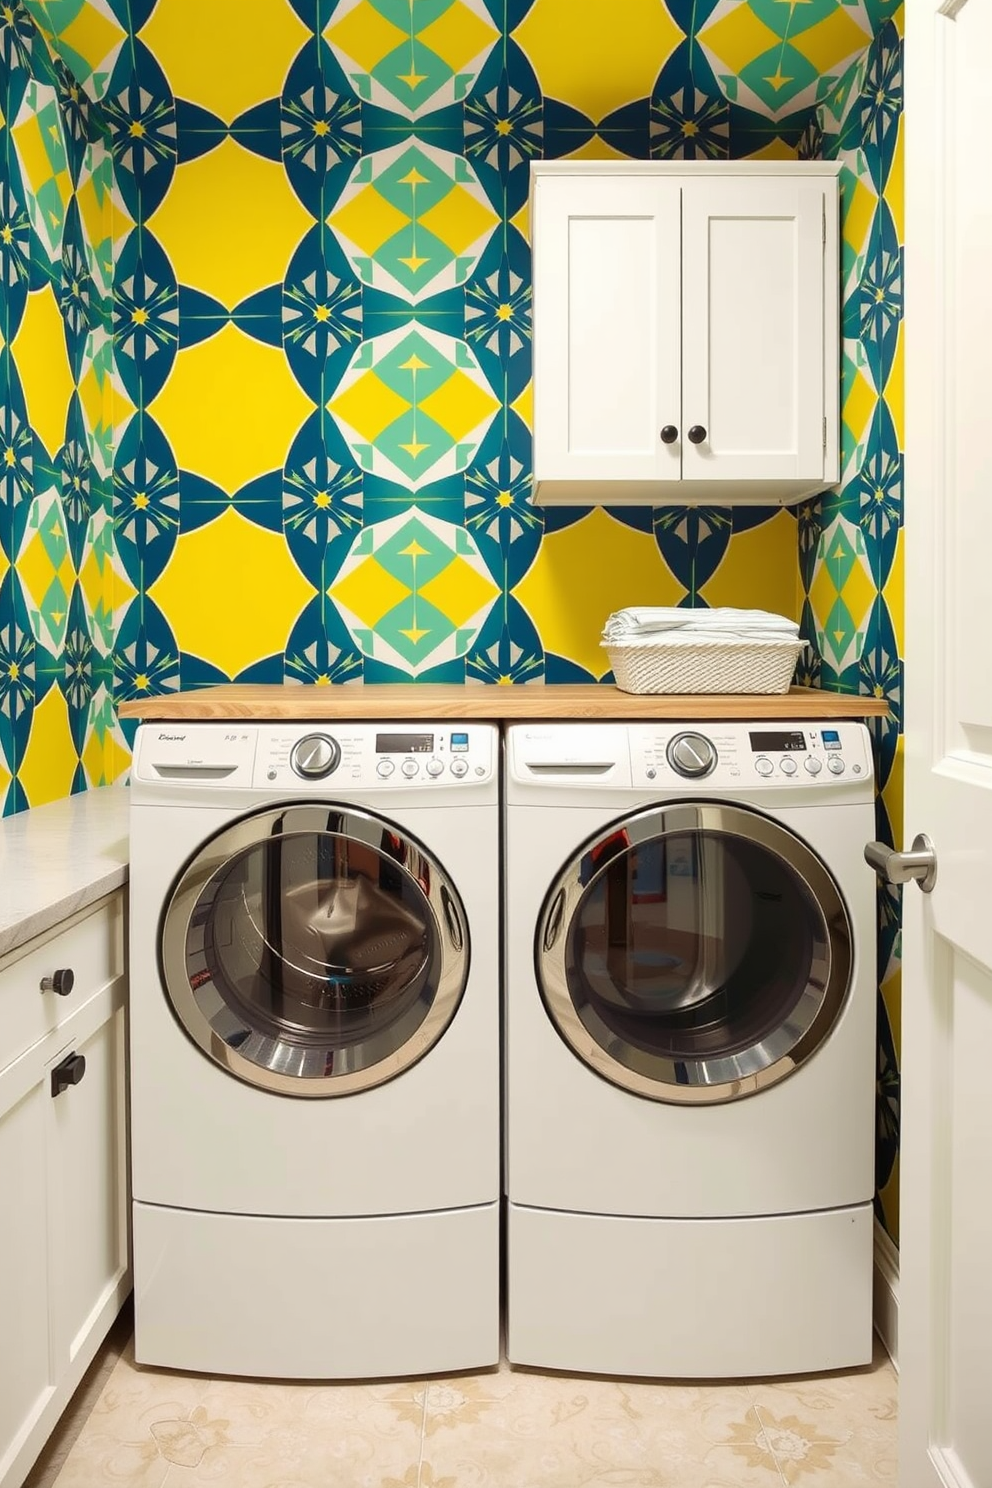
279	1065
700	1081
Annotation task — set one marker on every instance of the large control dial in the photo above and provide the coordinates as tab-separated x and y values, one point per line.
316	756
691	755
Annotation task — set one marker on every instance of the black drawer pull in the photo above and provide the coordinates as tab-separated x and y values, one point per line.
69	1072
669	434
697	434
60	982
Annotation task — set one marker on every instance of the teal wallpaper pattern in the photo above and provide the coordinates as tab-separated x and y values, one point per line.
57	719
850	540
410	162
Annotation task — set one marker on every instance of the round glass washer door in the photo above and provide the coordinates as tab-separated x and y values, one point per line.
311	950
694	953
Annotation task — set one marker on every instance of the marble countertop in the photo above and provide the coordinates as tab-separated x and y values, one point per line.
59	858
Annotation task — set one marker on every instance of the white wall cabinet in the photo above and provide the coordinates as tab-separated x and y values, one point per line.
686	332
64	1265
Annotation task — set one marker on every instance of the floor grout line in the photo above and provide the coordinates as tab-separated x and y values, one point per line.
423	1433
771	1449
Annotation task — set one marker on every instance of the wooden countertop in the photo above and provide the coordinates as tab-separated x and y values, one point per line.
482	701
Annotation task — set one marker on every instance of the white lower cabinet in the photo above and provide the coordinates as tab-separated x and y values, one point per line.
64	1263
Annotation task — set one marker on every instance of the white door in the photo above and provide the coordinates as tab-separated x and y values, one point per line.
753	328
607	354
946	1228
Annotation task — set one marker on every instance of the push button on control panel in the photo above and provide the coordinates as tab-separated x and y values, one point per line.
385	768
788	766
835	765
813	766
410	767
435	767
459	767
764	766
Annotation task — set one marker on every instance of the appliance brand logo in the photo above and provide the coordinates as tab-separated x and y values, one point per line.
172	738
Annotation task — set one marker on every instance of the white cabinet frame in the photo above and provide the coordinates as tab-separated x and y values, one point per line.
66	1155
678	296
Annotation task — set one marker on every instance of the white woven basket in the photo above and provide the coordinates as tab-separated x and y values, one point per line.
695	663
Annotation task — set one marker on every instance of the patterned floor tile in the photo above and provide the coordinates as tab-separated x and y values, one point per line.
152	1428
841	1425
553	1431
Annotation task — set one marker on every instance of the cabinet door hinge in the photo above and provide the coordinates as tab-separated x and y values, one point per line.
824	434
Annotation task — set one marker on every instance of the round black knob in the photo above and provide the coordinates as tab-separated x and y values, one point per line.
669	434
697	434
691	755
60	982
316	756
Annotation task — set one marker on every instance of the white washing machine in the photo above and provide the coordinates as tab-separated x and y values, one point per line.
315	1047
690	1019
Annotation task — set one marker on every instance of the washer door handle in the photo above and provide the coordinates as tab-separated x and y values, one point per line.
552	923
899	867
451	919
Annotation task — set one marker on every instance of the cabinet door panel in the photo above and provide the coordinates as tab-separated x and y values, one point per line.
87	1172
607	332
26	1368
753	317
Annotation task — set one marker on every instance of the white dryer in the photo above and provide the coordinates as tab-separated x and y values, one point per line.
314	1031
690	1016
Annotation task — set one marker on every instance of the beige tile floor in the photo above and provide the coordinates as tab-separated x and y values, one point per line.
149	1428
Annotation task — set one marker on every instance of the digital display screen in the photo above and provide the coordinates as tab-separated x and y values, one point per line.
793	740
404	743
831	739
459	743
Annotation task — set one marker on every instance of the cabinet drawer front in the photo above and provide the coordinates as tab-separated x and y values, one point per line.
92	949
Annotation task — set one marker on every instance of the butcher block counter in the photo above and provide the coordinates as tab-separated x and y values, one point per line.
479	700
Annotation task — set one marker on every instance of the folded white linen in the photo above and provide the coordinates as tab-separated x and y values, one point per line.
649	620
702	638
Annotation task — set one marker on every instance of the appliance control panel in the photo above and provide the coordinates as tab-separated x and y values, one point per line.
751	755
379	755
307	756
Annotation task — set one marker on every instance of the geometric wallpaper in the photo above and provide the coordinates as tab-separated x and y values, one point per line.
322	325
265	400
56	523
851	538
320	384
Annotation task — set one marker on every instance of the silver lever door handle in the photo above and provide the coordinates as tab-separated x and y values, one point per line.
899	867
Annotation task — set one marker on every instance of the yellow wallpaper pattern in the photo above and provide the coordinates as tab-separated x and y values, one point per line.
57	724
349	331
